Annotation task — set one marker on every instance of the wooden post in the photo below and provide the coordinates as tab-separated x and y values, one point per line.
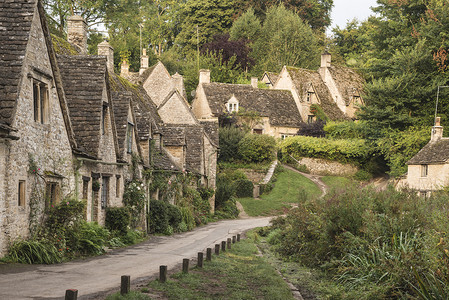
238	237
223	246
162	274
209	254
71	294
233	239
185	265
217	249
200	260
125	284
229	243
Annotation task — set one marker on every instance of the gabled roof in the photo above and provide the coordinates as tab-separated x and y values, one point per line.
436	152
211	128
84	78
272	77
303	79
15	24
278	105
145	110
194	148
348	82
122	103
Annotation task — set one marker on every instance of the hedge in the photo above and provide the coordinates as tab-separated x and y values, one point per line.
346	151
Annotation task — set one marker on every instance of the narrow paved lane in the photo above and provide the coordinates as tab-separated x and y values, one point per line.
103	273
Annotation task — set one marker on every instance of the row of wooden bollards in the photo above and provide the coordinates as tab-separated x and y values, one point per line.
125	284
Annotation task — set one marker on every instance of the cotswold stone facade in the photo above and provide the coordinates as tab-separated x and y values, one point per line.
35	138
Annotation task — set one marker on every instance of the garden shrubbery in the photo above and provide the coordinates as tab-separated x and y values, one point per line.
243	188
118	219
369	240
166	218
257	148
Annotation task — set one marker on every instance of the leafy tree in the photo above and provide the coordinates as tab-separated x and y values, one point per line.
247	27
202	19
285	40
221	45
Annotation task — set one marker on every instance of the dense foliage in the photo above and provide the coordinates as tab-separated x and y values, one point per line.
375	242
257	148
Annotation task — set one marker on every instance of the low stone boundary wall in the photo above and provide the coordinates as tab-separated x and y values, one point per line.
318	166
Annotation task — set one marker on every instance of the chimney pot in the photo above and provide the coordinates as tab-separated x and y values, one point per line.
77	33
326	59
124	69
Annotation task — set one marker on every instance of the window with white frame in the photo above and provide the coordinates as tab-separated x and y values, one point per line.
232	105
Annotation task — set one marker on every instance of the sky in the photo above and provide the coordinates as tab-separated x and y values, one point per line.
346	10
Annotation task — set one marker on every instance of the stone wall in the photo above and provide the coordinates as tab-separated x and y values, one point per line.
254	176
178	153
319	166
436	179
47	144
175	111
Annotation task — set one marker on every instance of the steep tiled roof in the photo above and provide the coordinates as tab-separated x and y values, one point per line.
348	81
433	153
122	101
303	79
273	77
173	135
145	74
194	147
145	110
211	128
163	161
83	78
15	23
279	106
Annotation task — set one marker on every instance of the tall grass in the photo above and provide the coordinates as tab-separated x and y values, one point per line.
34	252
363	238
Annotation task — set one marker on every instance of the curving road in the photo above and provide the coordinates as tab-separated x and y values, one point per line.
98	275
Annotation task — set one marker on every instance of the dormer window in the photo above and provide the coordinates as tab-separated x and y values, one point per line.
232	105
40	102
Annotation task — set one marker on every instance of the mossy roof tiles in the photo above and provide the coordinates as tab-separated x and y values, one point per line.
436	152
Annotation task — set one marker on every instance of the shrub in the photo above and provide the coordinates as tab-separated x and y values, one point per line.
362	175
174	216
244	188
229	138
117	219
346	130
187	218
228	210
346	151
132	237
91	239
257	148
158	216
303	168
64	215
134	199
314	129
225	191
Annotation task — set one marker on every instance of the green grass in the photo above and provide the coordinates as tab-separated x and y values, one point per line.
235	274
336	182
287	189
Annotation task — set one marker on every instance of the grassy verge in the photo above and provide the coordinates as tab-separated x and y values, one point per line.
287	189
337	182
235	274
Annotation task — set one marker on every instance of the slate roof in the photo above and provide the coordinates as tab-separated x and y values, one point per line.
122	102
303	79
83	78
211	128
145	110
163	161
15	23
194	147
433	153
348	82
173	135
278	105
272	76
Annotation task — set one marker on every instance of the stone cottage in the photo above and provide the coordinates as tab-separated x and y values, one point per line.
336	89
277	110
36	136
428	170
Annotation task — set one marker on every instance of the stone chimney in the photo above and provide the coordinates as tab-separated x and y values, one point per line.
104	48
77	33
144	61
326	60
204	76
437	130
124	69
254	82
178	82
